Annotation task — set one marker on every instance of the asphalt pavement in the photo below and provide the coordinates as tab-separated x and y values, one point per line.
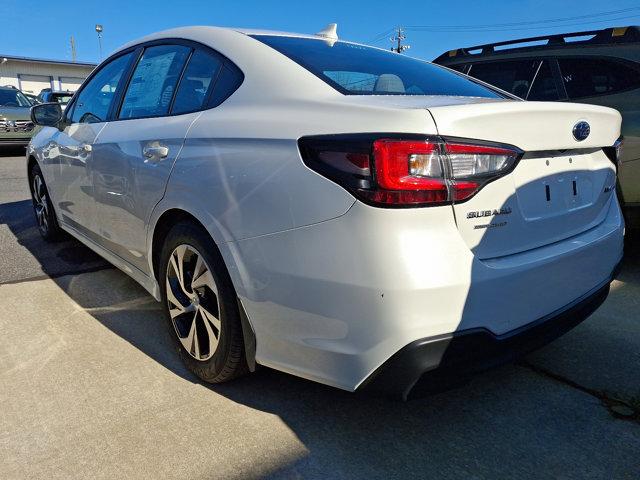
23	254
90	388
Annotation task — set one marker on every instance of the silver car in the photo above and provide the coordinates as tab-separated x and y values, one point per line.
332	210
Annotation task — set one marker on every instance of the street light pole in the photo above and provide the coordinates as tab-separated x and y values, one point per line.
99	32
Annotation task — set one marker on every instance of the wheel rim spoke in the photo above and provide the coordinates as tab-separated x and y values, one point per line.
205	279
175	306
177	261
209	321
190	342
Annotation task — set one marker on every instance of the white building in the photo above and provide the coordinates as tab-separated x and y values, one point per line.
31	75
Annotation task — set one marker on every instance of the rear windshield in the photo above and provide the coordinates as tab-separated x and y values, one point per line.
359	70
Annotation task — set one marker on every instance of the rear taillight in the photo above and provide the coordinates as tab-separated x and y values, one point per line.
405	172
614	152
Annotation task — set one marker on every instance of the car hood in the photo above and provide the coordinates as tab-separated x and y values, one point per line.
15	113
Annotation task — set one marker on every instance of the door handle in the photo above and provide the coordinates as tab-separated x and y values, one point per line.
155	152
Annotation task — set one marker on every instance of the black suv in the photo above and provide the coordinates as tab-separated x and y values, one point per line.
599	67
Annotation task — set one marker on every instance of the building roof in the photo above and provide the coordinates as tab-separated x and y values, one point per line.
46	60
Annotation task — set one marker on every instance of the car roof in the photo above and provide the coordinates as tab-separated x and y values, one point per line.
563	41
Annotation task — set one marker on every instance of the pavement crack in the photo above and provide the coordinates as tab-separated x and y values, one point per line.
617	407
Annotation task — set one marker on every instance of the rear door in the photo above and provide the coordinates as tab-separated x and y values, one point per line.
559	188
136	151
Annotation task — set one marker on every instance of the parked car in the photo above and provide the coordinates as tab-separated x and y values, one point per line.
32	98
332	210
61	97
600	67
16	126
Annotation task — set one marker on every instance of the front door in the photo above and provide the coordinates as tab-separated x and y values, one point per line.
68	157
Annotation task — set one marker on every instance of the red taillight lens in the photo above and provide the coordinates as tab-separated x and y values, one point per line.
400	172
409	172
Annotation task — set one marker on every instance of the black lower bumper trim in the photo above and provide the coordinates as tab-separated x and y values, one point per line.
441	362
14	143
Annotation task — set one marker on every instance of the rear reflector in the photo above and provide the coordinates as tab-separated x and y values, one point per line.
405	172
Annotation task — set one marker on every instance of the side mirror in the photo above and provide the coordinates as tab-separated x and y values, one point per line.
46	114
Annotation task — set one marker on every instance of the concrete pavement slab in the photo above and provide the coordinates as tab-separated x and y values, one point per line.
90	388
603	353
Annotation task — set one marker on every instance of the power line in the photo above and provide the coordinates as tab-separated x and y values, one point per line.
531	22
470	29
381	36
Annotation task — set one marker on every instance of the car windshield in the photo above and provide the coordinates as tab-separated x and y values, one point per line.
360	70
13	98
63	99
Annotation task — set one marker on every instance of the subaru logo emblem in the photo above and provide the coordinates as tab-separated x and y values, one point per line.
581	130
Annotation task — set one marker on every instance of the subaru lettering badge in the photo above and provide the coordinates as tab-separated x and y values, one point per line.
581	130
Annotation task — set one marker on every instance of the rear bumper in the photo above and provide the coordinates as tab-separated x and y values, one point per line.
437	362
334	301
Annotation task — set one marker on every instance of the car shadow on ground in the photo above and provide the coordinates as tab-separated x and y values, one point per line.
67	256
506	423
36	257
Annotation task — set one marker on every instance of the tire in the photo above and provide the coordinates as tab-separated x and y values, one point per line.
201	305
42	206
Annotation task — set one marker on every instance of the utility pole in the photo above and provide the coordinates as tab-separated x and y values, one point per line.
399	48
73	49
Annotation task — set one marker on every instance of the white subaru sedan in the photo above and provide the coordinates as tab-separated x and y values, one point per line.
332	210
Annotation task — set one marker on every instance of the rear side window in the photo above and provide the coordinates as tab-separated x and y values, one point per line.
93	102
153	82
590	77
514	76
530	79
228	82
196	82
359	70
462	68
544	86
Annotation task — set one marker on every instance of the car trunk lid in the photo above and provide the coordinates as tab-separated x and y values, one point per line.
560	187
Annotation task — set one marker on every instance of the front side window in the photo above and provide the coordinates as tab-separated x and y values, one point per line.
153	82
360	70
95	99
198	78
590	77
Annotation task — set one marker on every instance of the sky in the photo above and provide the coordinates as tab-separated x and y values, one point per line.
43	28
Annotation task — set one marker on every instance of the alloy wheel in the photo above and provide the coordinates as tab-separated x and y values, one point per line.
193	302
40	203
